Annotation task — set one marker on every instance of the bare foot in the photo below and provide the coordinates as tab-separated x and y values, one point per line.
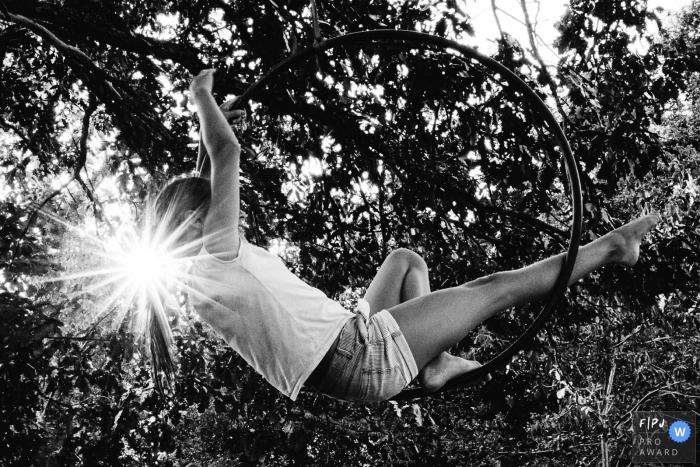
444	368
626	239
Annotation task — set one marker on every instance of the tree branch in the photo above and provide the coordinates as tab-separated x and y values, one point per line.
543	68
636	330
104	32
645	397
139	127
61	338
40	393
72	53
30	145
80	164
82	154
345	425
495	9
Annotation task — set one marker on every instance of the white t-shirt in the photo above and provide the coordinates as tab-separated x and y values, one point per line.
278	323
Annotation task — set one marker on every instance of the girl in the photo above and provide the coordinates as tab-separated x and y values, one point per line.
293	334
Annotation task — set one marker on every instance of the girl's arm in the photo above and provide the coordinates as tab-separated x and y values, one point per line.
233	117
203	166
221	224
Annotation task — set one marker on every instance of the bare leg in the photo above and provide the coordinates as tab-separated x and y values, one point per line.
402	277
434	322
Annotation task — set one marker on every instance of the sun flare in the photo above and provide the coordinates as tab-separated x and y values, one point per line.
135	270
147	266
131	270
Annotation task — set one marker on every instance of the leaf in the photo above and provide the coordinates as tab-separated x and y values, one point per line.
116	420
417	413
606	216
397	409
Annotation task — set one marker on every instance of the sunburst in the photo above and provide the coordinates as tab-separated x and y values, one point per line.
141	270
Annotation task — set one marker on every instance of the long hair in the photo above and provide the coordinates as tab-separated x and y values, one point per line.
167	218
171	207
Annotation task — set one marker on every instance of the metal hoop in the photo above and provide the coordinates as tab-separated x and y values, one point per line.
391	35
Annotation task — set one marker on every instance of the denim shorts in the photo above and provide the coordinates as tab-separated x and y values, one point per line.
372	361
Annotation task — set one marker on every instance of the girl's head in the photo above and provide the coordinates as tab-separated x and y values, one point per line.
179	211
176	218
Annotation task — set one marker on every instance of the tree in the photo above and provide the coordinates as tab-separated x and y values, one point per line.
94	118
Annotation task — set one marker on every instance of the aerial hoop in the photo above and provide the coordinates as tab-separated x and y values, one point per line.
422	39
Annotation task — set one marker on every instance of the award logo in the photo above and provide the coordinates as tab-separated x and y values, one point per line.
664	437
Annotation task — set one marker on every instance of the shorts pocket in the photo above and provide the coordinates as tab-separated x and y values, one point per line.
347	339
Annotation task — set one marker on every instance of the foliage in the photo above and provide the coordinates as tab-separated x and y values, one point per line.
363	150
